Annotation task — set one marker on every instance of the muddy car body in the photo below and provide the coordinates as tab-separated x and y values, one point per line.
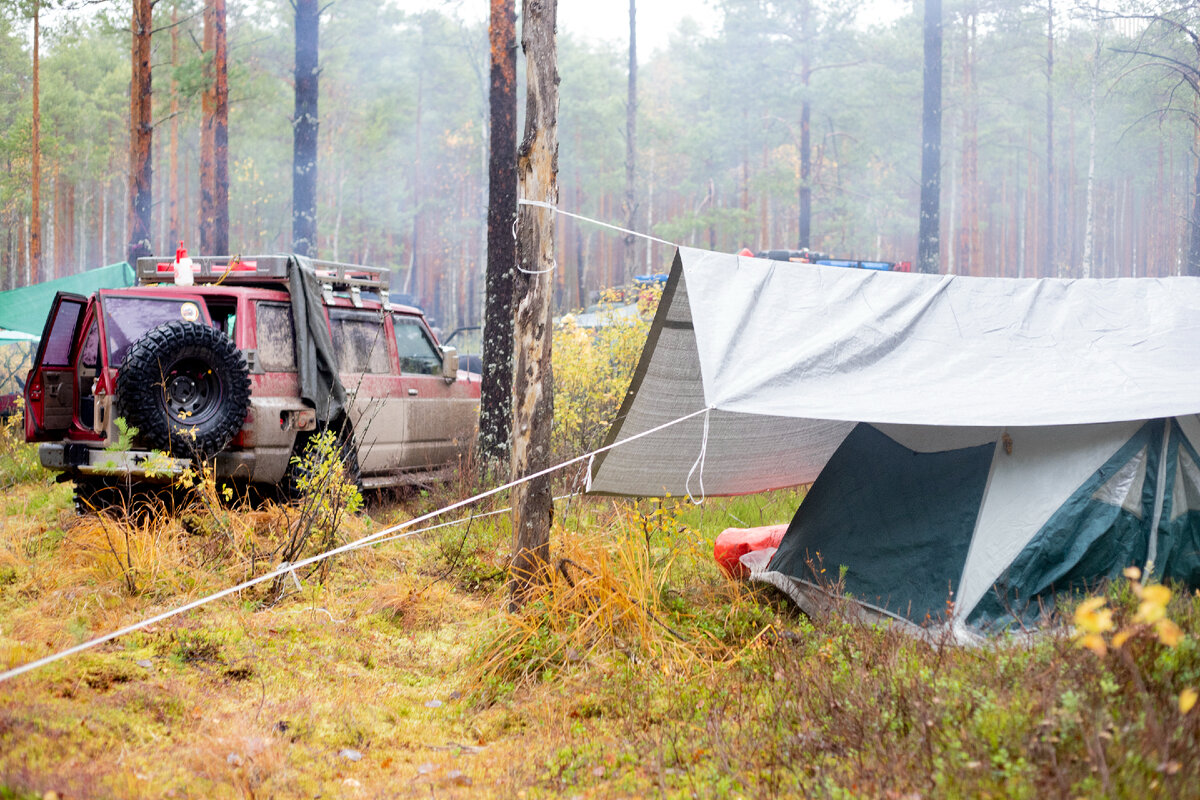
190	353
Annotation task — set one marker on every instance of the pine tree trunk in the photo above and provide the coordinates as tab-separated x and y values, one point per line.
1193	253
141	167
630	254
1087	268
304	132
533	383
804	240
414	285
173	157
928	237
1049	252
495	405
214	137
35	215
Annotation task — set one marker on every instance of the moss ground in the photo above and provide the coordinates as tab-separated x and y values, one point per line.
640	671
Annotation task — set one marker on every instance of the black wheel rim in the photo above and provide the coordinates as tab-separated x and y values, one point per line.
191	391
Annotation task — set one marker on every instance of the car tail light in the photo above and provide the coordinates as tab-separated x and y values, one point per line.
35	389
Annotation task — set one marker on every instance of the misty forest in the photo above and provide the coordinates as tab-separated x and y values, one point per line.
1068	139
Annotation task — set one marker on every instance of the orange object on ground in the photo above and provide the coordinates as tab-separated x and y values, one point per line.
733	543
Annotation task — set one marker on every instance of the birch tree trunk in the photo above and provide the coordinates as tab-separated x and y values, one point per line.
533	381
141	168
495	406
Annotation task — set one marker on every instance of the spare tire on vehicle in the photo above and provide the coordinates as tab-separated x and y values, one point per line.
186	387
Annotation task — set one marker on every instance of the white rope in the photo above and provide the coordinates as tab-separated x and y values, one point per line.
554	264
699	464
79	648
558	210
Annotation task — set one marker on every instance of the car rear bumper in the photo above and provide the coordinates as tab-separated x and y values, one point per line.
262	465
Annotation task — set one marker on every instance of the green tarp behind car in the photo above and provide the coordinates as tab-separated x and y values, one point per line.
25	309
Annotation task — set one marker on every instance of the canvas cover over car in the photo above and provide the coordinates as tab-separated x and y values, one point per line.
316	362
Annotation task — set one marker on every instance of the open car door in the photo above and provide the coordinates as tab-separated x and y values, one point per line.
50	387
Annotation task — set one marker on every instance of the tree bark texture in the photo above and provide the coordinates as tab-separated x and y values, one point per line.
1089	223
1193	254
533	381
173	233
630	254
1049	254
928	228
304	131
495	406
35	215
214	136
804	237
967	260
141	167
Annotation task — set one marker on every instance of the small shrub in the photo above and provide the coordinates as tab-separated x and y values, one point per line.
592	371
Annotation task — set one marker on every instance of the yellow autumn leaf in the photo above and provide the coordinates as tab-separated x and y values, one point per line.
1168	632
1154	603
1121	638
1187	699
1092	617
1157	593
1095	643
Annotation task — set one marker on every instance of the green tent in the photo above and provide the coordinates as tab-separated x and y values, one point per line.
25	309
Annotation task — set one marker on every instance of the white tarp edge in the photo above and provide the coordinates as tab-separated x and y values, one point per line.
791	356
831	343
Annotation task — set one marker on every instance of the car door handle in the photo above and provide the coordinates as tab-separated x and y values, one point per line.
412	392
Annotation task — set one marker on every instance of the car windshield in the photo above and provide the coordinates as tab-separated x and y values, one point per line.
127	319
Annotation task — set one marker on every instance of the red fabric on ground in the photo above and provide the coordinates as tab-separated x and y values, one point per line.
733	543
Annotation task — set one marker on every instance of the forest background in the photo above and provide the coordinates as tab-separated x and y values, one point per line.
402	164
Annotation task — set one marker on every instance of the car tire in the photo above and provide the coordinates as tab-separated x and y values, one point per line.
186	387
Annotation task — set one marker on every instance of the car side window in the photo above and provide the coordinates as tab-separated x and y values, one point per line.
359	341
418	355
275	336
89	353
57	352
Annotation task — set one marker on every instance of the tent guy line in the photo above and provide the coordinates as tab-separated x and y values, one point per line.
284	569
557	210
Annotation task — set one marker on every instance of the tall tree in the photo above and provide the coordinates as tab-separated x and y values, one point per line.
928	227
173	153
141	130
1089	224
533	379
35	214
1170	41
631	148
214	135
304	128
495	405
1050	251
804	239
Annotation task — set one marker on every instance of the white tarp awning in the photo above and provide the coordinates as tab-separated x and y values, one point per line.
790	356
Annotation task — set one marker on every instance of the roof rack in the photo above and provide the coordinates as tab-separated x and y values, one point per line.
333	276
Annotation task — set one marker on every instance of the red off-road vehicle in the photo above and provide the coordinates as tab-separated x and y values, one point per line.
242	368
